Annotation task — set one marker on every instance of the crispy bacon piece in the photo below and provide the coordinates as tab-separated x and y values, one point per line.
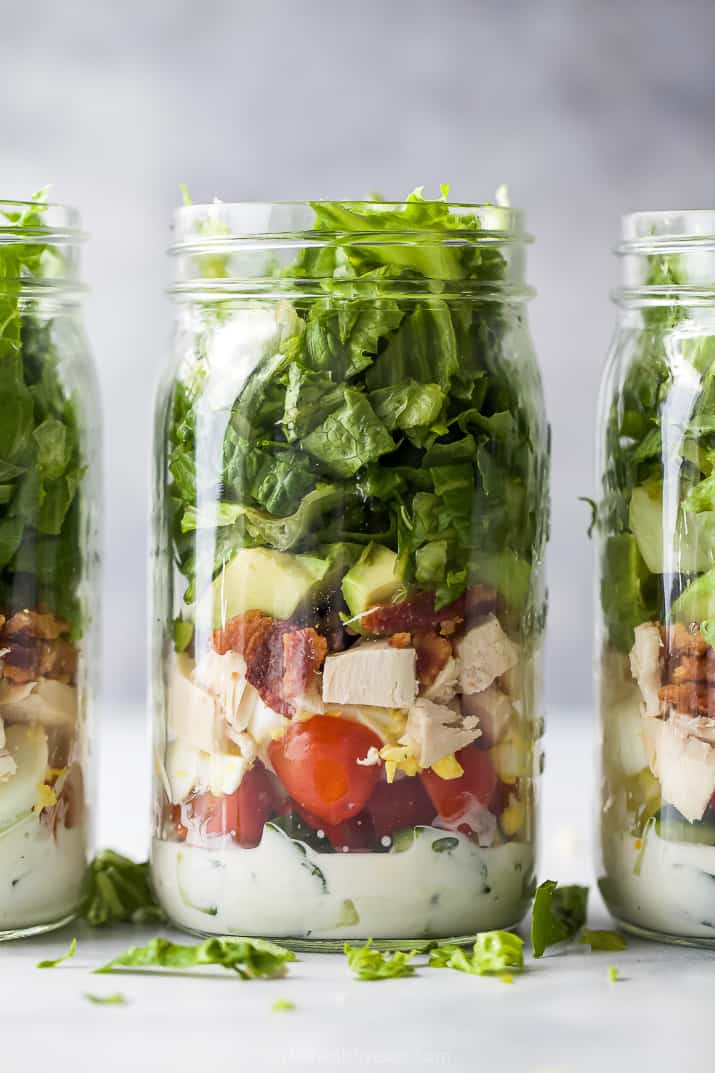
692	669
243	634
681	641
433	653
693	697
282	659
401	640
29	659
418	612
40	625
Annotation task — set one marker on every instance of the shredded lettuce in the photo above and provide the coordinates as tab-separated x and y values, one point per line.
602	939
58	961
558	913
115	999
371	414
249	958
117	889
370	964
493	953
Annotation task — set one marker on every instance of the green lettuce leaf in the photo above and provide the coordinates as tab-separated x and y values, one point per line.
369	964
117	889
602	940
493	953
250	958
558	914
350	437
58	961
115	999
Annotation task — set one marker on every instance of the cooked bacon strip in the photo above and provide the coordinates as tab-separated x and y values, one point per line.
433	653
400	640
243	634
43	626
689	697
692	669
418	612
30	659
681	641
282	659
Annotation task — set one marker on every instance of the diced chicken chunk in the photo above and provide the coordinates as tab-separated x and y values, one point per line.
683	762
493	709
46	701
194	717
486	653
371	673
433	731
646	665
445	684
224	678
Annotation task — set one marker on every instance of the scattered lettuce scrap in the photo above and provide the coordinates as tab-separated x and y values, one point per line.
115	999
369	964
117	889
249	958
557	915
602	940
492	954
283	1005
612	973
58	961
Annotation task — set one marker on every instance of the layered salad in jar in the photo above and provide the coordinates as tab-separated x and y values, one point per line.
657	591
43	839
350	699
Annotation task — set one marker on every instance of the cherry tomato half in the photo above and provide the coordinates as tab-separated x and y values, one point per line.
399	804
452	797
241	814
317	762
354	835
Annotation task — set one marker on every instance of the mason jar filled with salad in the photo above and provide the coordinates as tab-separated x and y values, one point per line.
350	512
655	524
49	443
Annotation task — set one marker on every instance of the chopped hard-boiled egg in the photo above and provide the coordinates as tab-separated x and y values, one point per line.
190	769
434	731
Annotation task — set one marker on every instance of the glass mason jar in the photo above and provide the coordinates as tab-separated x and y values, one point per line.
350	517
656	550
49	484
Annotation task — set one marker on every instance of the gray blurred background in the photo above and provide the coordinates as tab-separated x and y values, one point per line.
586	110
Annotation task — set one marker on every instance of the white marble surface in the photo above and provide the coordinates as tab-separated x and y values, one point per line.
563	1015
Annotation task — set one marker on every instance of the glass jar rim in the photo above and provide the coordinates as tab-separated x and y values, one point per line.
55	228
60	224
266	221
666	230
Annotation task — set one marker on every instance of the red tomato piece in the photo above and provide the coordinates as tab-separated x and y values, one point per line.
317	762
399	804
453	797
354	835
241	814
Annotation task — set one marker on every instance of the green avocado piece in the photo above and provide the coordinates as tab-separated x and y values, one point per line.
697	602
372	580
510	576
692	543
260	579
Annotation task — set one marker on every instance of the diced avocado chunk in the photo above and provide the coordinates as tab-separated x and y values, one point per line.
260	579
692	546
372	580
510	576
673	827
697	603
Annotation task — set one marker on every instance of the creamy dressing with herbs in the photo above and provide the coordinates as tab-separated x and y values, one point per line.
283	888
40	873
662	886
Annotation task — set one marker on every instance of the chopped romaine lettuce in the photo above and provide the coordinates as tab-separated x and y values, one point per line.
250	958
58	961
558	914
493	953
370	964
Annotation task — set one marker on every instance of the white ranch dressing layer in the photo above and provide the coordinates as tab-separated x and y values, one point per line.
40	873
674	890
284	889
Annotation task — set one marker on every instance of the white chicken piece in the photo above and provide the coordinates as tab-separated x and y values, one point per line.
194	717
486	653
433	731
190	769
647	665
224	678
494	710
681	753
445	684
372	673
50	703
